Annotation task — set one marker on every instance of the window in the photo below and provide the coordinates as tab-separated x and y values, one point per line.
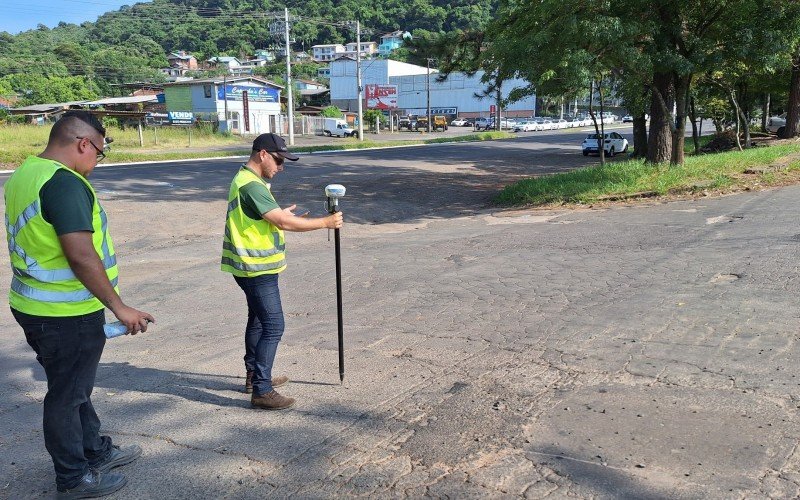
233	116
207	91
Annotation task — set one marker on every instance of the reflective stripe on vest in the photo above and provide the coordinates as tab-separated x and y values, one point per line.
48	296
253	268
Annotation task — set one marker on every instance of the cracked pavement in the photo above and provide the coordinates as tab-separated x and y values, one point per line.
642	351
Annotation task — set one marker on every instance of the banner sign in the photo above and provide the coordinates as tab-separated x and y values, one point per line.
381	96
180	117
254	94
434	111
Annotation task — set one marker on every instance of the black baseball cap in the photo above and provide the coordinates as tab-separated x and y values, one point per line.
273	144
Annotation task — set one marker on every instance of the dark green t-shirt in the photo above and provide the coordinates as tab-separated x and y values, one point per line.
67	203
256	199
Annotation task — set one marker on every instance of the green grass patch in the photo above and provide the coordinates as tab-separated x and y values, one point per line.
688	144
625	178
17	142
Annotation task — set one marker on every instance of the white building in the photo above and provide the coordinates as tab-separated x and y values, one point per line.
207	99
455	96
368	49
328	52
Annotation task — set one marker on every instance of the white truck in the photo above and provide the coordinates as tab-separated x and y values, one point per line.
337	127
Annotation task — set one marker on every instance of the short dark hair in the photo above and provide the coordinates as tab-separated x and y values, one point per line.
68	126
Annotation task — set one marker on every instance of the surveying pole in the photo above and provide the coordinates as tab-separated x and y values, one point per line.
333	192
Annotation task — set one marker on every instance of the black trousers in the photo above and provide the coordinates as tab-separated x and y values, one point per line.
69	349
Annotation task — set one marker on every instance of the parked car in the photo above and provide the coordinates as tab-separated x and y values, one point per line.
613	143
525	126
439	123
507	123
547	125
407	122
337	127
460	122
627	119
482	123
560	123
776	124
577	122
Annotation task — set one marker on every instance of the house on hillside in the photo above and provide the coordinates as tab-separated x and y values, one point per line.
253	104
231	63
180	63
327	52
368	49
392	41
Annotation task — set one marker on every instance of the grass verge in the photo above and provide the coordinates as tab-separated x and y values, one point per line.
751	168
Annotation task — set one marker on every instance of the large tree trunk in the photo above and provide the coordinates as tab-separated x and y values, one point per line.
640	136
793	109
765	112
659	142
693	118
682	85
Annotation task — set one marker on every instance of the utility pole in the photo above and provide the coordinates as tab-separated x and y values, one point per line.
428	89
358	82
225	98
290	102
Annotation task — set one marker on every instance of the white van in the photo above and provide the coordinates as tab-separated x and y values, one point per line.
337	127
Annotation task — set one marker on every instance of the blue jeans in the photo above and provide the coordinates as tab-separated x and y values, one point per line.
69	350
264	328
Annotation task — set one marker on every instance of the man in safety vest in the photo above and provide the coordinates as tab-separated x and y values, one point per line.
64	275
253	250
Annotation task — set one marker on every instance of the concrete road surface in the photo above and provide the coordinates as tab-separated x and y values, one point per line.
633	352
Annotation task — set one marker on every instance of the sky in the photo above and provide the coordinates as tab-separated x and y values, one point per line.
23	15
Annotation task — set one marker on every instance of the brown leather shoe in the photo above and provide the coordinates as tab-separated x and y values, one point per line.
276	382
272	401
279	381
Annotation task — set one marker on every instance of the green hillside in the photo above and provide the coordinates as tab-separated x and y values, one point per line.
130	44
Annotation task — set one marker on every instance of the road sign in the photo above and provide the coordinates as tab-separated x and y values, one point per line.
492	109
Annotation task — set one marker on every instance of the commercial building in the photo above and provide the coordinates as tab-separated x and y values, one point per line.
253	104
454	96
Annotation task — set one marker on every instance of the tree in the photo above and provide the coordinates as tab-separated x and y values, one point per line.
331	112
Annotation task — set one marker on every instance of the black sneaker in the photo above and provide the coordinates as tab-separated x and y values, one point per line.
94	484
118	457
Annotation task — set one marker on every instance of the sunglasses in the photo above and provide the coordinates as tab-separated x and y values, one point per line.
278	158
100	153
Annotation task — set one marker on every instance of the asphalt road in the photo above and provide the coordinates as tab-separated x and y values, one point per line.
636	352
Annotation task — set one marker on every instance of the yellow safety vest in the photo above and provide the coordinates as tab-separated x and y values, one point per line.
43	283
250	247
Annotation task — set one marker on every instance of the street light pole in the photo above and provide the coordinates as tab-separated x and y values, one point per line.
428	89
290	102
358	82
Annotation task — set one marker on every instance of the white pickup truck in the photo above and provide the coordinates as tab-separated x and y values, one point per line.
776	124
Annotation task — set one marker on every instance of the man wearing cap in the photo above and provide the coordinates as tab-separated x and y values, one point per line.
64	276
253	250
